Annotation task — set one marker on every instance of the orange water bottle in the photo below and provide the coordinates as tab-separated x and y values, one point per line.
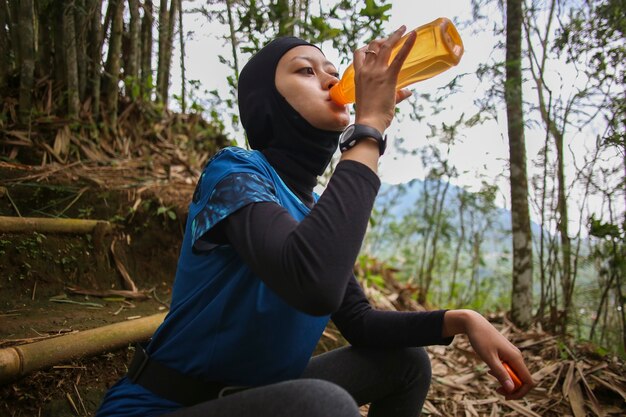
438	47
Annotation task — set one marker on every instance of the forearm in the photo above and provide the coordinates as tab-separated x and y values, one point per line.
363	325
366	152
308	263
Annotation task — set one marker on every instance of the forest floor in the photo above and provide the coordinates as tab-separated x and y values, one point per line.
40	272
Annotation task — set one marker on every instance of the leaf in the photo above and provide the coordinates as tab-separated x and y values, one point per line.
569	376
576	401
62	141
82	303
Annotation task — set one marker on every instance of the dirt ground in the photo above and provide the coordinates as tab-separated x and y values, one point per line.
38	271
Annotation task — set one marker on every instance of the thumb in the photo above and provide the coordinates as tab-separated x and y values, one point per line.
403	94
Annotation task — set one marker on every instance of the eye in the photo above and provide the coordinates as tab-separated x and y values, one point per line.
307	70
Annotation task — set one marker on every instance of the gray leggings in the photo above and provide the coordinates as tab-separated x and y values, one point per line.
393	381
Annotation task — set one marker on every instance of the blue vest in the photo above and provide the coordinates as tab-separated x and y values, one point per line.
225	324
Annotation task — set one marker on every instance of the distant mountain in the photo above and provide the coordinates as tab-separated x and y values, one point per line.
406	196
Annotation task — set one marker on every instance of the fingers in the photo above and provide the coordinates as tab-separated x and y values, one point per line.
387	45
380	50
398	60
359	57
498	370
508	388
519	367
402	95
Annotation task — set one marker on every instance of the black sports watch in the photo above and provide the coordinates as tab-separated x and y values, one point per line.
355	132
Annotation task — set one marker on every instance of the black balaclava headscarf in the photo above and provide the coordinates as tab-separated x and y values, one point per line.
296	149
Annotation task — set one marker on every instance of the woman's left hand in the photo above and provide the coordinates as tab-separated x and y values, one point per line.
492	348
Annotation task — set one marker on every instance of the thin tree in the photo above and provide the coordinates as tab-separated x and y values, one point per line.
463	198
112	71
555	127
163	39
94	43
167	64
182	57
12	11
521	298
45	45
5	57
146	49
131	71
27	58
80	28
69	30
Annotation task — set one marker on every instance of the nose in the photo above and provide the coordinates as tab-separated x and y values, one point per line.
330	81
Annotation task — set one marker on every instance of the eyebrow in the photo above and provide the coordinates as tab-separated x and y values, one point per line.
313	61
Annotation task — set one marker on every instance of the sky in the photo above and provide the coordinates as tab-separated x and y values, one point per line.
479	154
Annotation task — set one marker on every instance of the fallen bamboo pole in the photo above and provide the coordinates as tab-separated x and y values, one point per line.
18	361
49	225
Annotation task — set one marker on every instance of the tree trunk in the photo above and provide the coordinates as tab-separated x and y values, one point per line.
165	80
146	50
182	56
459	246
434	243
69	30
44	62
13	17
5	61
27	59
95	56
131	72
163	29
60	71
80	27
233	41
112	72
521	298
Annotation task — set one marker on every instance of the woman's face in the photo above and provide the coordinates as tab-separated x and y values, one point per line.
304	77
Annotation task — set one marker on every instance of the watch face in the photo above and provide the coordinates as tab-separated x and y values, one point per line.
347	133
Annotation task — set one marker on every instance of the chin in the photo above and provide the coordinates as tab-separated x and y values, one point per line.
342	122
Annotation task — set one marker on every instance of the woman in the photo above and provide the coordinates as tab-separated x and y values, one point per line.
264	265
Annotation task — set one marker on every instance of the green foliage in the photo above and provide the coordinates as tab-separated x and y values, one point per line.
603	230
594	35
166	212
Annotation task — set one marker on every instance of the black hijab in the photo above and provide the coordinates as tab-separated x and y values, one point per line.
296	149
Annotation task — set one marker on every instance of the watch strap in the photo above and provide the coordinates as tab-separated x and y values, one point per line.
356	132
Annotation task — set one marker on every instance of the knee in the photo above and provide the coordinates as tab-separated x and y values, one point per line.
323	398
417	365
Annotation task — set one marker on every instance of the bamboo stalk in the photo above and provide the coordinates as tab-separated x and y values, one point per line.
18	361
49	225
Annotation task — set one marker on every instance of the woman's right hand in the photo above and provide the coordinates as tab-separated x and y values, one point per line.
376	79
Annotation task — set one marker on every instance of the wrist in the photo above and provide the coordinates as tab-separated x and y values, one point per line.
371	122
457	322
366	152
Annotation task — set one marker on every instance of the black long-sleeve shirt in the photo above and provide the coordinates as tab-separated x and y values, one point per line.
309	263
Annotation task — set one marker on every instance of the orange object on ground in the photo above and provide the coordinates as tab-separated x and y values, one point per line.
516	381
